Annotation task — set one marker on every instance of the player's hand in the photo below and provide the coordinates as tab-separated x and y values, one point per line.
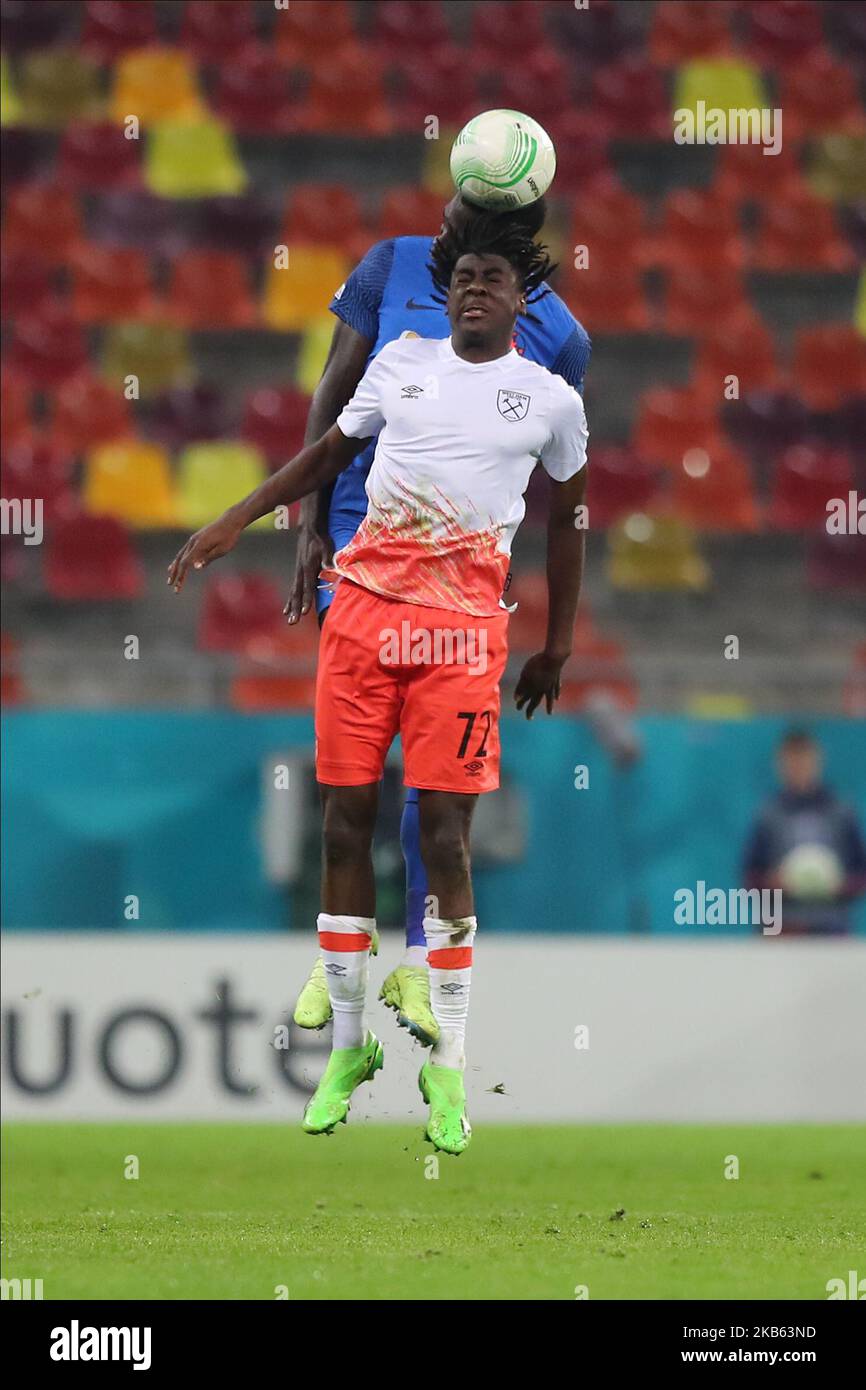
315	552
206	545
539	680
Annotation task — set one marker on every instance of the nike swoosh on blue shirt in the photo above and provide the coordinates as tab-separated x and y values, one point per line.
410	304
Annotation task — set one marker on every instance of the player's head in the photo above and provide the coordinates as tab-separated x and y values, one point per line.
459	212
487	267
799	761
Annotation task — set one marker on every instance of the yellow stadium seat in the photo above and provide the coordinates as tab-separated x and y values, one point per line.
197	160
723	83
837	168
57	86
133	481
860	306
156	84
296	294
655	552
146	358
436	168
213	476
10	103
313	353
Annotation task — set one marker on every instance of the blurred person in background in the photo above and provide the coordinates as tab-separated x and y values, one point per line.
807	842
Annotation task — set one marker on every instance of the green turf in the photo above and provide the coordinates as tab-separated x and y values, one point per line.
233	1211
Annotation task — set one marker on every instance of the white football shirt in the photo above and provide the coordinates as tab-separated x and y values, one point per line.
457	444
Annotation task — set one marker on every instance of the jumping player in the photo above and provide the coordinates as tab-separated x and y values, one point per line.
390	295
461	423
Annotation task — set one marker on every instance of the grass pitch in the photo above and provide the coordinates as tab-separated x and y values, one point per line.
241	1211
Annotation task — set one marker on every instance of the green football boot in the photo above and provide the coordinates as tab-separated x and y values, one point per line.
347	1068
313	1009
448	1127
407	991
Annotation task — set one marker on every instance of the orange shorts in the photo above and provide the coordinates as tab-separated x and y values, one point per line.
429	674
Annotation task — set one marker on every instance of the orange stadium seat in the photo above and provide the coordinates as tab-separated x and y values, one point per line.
210	289
744	350
110	284
608	295
113	26
712	490
275	419
797	231
155	84
628	99
299	29
806	477
48	345
618	483
254	94
655	552
236	608
324	213
701	298
56	86
829	364
672	421
215	30
87	412
92	558
130	480
25	283
37	466
820	96
435	81
295	295
346	95
42	220
697	229
684	29
610	221
96	156
409	211
155	354
782	33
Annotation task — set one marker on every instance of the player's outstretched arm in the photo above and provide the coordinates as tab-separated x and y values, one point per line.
540	677
347	357
316	465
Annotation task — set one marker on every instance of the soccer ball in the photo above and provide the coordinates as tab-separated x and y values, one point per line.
812	873
503	160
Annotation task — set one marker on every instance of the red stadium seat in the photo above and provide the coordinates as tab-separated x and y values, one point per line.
215	30
805	479
435	81
97	155
16	395
410	212
346	95
189	415
323	212
671	422
88	412
629	101
39	467
92	558
401	25
782	32
129	217
254	94
837	563
742	349
300	28
237	607
538	81
210	289
113	26
110	284
23	156
684	29
26	25
581	152
25	283
697	229
797	231
618	483
247	224
766	422
819	96
829	364
275	419
12	689
48	346
703	298
608	295
500	30
42	220
744	172
610	222
712	491
269	691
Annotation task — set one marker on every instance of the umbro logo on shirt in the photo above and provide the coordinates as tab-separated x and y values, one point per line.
411	393
513	405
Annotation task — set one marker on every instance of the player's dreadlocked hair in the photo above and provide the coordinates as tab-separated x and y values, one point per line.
491	235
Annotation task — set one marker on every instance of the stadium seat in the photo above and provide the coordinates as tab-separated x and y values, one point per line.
744	173
766	422
132	481
236	608
110	284
409	211
57	86
111	27
609	220
155	84
743	350
156	355
797	231
539	81
23	156
36	466
215	30
829	364
346	95
837	171
16	397
91	558
42	220
806	477
608	295
25	283
819	96
684	29
325	214
97	156
782	33
296	295
837	563
581	152
254	95
499	30
213	476
628	100
210	289
88	412
10	102
48	345
313	353
189	415
712	491
591	37
129	217
672	421
275	419
26	25
655	552
849	28
260	692
247	224
198	160
728	83
299	29
698	298
618	483
697	229
400	25
436	81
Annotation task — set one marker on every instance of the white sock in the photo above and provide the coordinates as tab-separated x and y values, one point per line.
415	955
449	956
345	946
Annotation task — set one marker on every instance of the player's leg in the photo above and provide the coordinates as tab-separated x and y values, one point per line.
407	988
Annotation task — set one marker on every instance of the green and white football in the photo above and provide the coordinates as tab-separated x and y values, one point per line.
503	160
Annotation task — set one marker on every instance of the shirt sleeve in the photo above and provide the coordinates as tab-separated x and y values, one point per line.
358	301
573	357
363	416
564	454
